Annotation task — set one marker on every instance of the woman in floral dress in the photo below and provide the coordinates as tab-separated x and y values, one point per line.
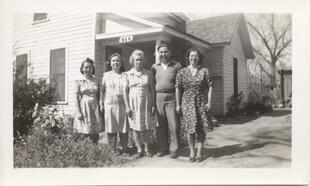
113	105
193	94
87	119
139	96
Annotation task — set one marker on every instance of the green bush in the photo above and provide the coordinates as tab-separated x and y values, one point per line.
25	96
53	143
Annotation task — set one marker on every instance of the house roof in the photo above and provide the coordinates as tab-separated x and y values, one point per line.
150	27
221	29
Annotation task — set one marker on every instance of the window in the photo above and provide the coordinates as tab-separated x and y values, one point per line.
21	67
235	76
39	17
58	72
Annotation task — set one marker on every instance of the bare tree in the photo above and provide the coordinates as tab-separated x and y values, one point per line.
271	36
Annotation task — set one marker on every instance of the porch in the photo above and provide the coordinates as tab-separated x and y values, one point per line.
147	40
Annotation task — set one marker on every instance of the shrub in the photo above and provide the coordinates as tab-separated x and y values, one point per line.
25	96
234	105
258	103
52	143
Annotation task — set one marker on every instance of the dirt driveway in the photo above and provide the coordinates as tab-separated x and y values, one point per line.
263	141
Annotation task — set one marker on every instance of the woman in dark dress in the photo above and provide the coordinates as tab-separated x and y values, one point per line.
193	94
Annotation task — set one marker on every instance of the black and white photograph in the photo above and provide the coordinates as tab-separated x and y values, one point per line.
116	91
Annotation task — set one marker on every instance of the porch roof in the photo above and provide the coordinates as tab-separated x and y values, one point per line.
154	30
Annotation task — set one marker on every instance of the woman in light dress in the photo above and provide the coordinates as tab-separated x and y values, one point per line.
139	96
113	106
88	119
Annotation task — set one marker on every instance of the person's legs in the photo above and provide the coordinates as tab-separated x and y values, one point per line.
123	137
173	128
191	144
201	139
137	138
162	129
112	140
146	138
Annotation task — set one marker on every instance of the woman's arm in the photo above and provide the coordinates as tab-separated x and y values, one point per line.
102	95
209	97
178	91
210	85
126	99
79	114
152	90
178	99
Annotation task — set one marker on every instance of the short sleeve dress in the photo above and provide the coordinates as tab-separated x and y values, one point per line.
138	84
88	90
194	99
114	105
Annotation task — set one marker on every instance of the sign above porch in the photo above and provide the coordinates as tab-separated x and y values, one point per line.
125	39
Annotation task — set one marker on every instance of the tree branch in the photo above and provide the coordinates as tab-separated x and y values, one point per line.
262	38
264	70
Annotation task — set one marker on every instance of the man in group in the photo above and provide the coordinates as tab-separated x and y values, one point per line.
165	74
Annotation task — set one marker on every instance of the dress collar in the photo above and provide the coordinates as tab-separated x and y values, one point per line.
84	78
133	71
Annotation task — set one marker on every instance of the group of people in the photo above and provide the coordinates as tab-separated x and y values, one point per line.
173	96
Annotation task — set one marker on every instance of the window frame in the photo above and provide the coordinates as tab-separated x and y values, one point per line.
64	46
41	20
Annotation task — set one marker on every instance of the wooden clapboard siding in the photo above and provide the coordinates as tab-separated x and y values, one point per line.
214	61
234	50
73	31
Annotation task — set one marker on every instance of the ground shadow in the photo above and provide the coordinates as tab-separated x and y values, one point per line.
237	120
225	150
278	112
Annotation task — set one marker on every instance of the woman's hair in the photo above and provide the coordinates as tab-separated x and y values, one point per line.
87	60
163	44
133	54
108	67
193	50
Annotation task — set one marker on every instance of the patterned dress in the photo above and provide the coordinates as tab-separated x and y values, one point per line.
88	90
140	99
194	99
114	105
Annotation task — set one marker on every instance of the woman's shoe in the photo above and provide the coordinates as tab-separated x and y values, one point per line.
199	159
125	153
139	155
149	154
191	159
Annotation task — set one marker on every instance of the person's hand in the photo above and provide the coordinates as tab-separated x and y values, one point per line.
102	109
153	110
79	116
178	109
129	113
209	106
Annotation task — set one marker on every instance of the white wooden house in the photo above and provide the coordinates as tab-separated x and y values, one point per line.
53	45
